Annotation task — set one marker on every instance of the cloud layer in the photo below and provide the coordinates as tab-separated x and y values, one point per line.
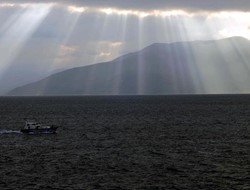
147	5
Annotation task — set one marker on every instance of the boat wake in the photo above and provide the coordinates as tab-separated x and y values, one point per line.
9	132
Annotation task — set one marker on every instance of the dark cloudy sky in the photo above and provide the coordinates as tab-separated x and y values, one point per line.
44	36
148	5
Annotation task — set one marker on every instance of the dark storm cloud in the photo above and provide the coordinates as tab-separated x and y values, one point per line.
188	5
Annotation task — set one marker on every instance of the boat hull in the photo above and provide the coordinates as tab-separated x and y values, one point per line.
51	130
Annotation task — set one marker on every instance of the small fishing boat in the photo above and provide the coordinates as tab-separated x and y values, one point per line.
33	127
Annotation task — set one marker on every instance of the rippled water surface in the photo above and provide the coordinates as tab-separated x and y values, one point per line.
127	142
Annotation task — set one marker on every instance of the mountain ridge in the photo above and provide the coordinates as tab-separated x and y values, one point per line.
161	68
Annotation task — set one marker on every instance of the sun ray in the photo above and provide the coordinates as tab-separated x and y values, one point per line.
119	65
60	61
19	32
91	74
140	69
11	20
71	22
176	34
191	61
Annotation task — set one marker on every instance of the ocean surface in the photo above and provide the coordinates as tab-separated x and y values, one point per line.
127	142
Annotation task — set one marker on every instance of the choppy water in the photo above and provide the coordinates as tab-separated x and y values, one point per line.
164	142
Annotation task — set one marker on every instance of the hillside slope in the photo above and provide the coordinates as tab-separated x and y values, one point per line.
221	66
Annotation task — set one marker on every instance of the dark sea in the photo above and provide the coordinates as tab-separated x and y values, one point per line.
127	142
